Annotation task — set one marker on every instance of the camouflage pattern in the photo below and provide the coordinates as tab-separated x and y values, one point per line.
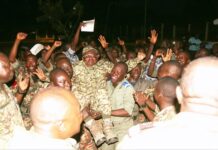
86	141
132	63
25	105
88	48
10	115
90	86
165	114
34	85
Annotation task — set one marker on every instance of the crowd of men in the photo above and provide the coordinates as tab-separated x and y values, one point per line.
90	95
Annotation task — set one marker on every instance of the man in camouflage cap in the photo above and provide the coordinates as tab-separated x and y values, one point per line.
90	89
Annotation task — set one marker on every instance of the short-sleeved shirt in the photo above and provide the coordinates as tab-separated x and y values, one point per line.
121	96
167	113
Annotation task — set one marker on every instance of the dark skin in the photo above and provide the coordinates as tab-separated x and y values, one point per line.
60	78
135	74
7	73
65	64
31	63
118	73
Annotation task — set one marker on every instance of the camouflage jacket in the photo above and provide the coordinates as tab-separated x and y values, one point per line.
10	115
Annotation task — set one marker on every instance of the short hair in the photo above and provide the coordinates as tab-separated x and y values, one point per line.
56	71
167	87
124	66
171	67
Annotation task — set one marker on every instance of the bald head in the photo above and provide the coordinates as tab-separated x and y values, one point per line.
56	110
200	79
170	68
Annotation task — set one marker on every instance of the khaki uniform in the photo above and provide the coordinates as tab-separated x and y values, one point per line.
167	113
121	97
90	86
10	115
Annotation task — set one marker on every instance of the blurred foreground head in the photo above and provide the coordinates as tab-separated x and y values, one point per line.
55	112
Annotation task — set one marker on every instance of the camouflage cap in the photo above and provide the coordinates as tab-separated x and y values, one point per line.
132	63
89	48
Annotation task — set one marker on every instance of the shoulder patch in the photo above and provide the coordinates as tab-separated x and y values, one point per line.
126	84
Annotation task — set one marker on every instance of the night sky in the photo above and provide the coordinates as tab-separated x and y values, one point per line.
21	15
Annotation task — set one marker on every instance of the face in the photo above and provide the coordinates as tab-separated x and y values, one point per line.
114	53
6	70
66	66
90	58
131	55
62	80
136	72
183	59
31	63
117	74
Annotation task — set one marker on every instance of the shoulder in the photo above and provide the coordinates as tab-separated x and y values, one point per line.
126	84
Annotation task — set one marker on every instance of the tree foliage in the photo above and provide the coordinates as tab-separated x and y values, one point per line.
62	16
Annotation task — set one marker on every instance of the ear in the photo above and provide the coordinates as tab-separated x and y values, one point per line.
179	94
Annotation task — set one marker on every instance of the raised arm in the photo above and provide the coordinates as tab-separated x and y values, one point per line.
122	44
50	51
153	40
105	44
75	39
13	53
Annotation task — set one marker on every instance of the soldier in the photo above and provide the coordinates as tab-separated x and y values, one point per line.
122	102
56	117
31	70
9	110
196	126
90	89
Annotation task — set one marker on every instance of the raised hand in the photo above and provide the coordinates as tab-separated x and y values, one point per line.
57	44
168	55
158	53
47	47
103	41
40	74
21	36
154	36
121	42
23	83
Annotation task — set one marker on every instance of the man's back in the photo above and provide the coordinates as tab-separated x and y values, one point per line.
177	134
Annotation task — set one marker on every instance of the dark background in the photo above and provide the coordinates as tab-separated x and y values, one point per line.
125	18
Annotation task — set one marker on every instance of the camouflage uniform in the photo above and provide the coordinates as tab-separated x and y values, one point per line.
25	105
10	115
34	85
90	86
